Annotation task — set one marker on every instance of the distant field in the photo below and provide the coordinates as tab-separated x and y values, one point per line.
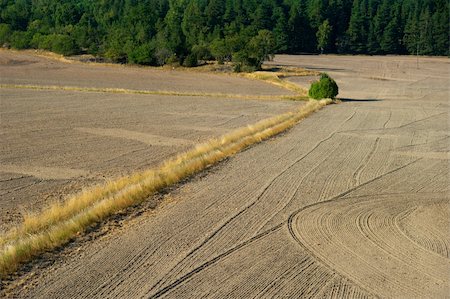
55	142
375	77
27	68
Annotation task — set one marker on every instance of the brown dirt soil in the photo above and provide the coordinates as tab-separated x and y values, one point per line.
351	203
27	68
56	142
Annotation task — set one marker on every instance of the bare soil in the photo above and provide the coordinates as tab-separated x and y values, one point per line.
28	68
351	203
56	142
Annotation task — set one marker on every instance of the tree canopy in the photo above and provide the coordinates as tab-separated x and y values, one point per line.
155	32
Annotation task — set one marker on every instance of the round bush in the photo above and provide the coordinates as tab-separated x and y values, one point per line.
325	88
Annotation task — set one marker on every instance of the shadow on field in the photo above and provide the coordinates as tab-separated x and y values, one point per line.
322	69
274	69
309	67
359	100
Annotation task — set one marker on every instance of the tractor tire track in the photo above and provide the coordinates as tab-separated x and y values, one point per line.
213	261
326	210
225	232
373	223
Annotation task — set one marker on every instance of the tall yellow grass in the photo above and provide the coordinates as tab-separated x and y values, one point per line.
62	222
275	79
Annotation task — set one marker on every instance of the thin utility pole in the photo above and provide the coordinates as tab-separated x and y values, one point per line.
417	53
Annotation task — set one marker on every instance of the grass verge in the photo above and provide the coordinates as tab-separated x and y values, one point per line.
62	222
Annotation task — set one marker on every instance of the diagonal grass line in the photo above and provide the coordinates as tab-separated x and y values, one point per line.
58	212
276	78
62	222
146	92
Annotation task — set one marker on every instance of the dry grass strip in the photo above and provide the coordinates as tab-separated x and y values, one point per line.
147	92
276	78
62	222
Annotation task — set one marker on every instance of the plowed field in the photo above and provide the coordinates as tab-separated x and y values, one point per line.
55	142
353	202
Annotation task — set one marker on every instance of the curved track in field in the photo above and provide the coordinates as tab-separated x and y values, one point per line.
351	203
394	245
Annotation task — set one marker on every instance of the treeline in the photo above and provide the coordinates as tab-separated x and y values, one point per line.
156	32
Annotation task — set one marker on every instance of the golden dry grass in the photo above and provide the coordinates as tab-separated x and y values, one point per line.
276	78
41	53
147	92
268	75
62	222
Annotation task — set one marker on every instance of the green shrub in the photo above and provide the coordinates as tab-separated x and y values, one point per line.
161	55
202	52
324	76
237	68
58	43
20	39
244	63
173	60
64	44
43	41
5	33
143	54
325	88
220	50
36	40
190	60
